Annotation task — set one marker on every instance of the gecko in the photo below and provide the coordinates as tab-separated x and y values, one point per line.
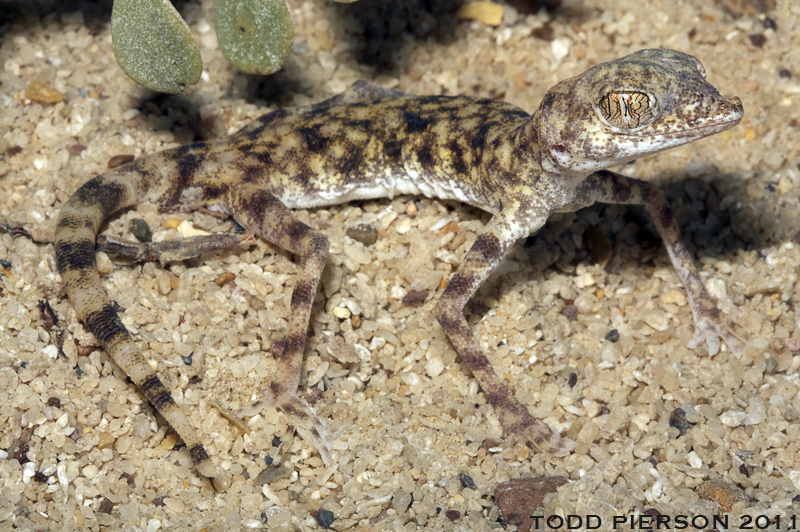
371	142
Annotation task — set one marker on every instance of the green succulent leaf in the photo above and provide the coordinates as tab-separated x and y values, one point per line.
254	35
153	45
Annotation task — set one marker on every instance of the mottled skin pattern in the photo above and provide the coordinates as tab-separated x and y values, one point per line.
371	142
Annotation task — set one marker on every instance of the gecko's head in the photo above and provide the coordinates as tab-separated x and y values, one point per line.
640	104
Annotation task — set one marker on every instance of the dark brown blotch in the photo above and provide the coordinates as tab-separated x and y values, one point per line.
293	410
100	193
198	454
214	191
104	324
315	142
303	294
415	122
478	138
249	173
188	163
75	255
295	344
488	247
457	158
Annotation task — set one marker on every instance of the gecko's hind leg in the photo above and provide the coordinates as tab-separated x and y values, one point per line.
263	213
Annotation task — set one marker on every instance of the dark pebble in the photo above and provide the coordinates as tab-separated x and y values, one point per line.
325	518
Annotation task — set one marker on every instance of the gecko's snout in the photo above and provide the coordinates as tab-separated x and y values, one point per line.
731	111
736	106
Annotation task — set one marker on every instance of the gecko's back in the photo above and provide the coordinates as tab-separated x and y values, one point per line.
337	151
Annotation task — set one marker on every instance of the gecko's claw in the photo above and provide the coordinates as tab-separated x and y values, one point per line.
541	437
711	327
310	426
522	426
301	416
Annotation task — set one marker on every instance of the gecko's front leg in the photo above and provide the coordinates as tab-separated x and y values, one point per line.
261	212
484	256
711	325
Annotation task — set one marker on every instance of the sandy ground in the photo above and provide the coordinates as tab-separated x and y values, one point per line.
408	421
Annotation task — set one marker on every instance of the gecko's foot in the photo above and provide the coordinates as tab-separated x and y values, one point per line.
302	417
309	425
711	327
537	434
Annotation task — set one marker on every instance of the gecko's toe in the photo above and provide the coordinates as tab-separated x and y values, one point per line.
707	336
713	332
539	436
319	438
309	425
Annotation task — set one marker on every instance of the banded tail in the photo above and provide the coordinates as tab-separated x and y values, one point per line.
74	242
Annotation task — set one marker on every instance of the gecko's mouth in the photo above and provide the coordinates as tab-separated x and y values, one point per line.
728	115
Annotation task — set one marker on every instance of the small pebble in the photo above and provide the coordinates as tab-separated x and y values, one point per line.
415	297
271	474
570	312
403	226
673	297
325	518
722	493
174	504
434	366
453	515
364	233
90	471
612	336
489	13
224	278
115	409
29	471
342	313
172	223
677	419
39	92
140	230
792	344
758	39
106	506
466	481
401	501
169	442
545	33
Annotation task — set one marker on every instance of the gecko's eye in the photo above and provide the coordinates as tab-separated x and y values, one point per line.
626	109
